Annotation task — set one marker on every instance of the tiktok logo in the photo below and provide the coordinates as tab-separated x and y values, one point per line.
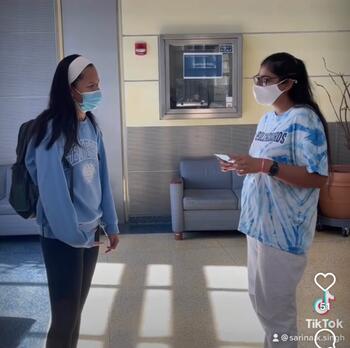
323	305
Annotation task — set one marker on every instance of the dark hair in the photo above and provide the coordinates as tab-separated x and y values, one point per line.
61	110
285	66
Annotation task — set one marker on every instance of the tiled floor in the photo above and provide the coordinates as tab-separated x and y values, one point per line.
154	292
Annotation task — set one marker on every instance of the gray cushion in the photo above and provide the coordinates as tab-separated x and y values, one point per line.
5	207
238	194
204	173
3	170
209	200
237	181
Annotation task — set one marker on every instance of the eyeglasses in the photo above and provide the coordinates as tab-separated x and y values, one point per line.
265	80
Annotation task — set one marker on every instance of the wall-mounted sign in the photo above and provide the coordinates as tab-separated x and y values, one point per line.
202	65
226	48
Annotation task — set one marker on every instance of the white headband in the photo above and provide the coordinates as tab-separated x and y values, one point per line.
76	67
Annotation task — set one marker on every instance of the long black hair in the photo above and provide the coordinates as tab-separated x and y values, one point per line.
285	66
61	110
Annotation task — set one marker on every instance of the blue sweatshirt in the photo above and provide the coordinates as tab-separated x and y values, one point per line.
74	222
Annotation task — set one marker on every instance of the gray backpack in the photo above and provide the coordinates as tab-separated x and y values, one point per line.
24	193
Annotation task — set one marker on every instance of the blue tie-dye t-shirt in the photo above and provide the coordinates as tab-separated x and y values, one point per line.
278	214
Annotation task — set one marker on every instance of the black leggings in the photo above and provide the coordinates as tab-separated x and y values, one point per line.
69	274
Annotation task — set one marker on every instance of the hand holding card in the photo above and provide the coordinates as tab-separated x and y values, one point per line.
224	158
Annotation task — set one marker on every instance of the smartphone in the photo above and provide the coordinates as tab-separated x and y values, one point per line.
224	158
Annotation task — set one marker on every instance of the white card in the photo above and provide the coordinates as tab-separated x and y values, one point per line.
224	157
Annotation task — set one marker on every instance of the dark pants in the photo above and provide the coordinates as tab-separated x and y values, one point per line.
69	274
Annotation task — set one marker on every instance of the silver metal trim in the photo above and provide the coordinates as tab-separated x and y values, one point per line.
164	76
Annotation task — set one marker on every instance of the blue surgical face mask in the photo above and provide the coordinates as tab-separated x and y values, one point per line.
90	100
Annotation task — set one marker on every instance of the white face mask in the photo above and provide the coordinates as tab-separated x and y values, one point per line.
267	95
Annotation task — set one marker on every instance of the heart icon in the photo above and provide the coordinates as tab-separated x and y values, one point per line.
331	275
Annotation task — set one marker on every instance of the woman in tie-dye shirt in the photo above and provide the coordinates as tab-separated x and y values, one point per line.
285	168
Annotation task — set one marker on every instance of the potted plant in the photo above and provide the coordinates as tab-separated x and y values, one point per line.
335	196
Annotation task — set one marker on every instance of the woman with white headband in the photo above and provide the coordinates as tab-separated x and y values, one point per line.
66	160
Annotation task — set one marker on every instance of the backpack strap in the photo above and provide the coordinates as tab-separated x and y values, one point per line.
24	135
66	164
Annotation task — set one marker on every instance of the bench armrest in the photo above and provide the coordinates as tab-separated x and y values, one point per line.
176	204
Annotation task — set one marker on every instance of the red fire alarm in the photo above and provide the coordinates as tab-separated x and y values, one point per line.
140	48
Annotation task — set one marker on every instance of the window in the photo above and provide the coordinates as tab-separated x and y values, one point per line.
200	76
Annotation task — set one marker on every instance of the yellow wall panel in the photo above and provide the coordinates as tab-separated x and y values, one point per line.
141	103
142	17
308	47
322	99
269	26
140	67
142	106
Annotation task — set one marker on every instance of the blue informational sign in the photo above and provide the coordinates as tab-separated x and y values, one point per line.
202	65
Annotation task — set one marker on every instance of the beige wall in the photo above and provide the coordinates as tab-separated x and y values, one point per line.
309	29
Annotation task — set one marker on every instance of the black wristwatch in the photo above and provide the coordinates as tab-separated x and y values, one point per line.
274	169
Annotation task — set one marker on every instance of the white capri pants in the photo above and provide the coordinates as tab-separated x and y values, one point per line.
273	276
